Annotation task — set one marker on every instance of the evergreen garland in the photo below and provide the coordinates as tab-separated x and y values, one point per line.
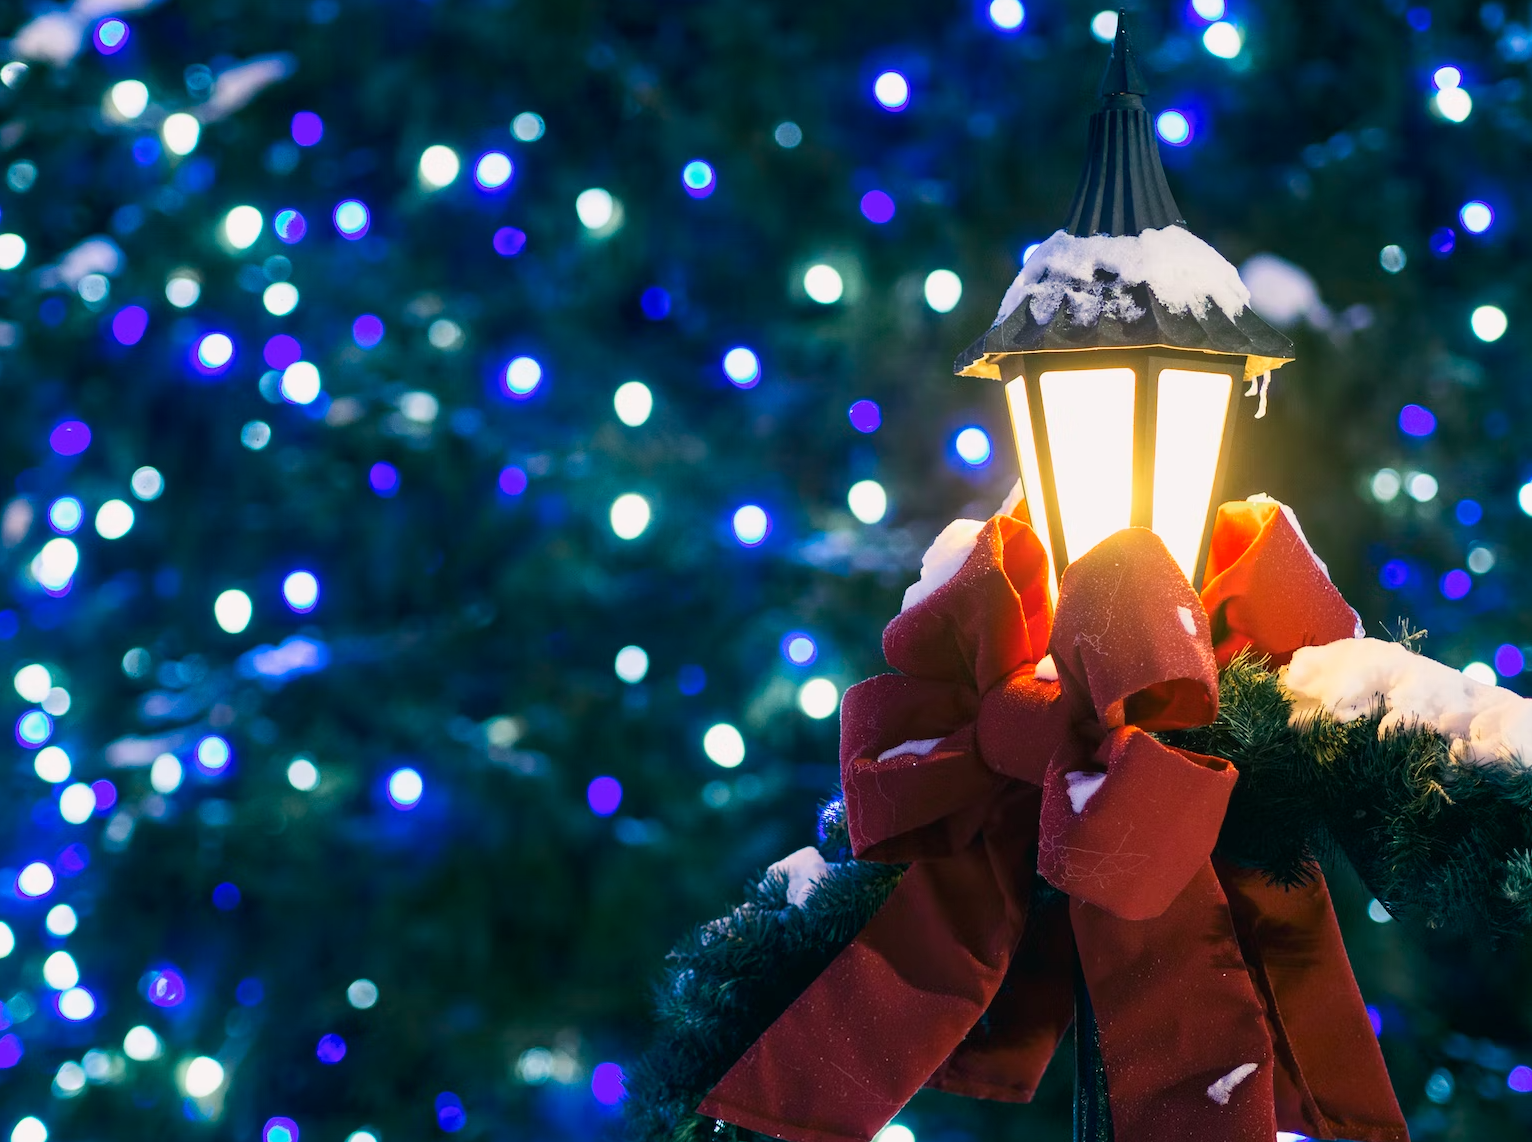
1448	844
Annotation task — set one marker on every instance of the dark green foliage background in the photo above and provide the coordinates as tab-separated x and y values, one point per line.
501	915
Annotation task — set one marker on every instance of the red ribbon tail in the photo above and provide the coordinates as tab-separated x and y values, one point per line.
889	1010
1332	1073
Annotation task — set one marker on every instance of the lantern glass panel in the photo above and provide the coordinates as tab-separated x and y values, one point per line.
1031	470
1193	408
1089	415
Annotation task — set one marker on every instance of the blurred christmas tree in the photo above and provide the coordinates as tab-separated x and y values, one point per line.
461	450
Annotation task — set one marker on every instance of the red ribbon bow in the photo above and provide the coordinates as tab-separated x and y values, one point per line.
1226	1007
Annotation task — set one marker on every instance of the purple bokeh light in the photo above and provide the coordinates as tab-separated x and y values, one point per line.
352	219
331	1050
1520	1079
290	226
1375	1017
106	794
1456	583
249	993
865	416
111	36
129	324
367	331
11	1051
513	480
166	988
1509	660
307	128
509	241
1442	241
604	795
281	351
1395	574
70	438
607	1084
1416	420
877	207
384	478
74	859
279	1129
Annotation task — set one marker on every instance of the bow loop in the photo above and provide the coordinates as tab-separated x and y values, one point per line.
1131	640
1265	588
989	619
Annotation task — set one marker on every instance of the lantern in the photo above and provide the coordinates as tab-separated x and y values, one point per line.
1125	345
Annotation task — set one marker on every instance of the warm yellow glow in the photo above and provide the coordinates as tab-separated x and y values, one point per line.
1188	437
1089	414
1031	473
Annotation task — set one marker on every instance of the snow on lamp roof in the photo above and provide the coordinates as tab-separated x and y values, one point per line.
1125	272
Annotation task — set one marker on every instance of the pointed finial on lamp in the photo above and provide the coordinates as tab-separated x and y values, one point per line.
1123	76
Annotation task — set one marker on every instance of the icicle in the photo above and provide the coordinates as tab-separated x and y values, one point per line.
1265	384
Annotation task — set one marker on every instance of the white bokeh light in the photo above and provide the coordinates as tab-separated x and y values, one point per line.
166	773
362	994
76	1005
1489	323
54	566
33	682
215	350
13	249
523	375
52	765
1006	14
818	698
202	1077
302	774
29	1129
61	921
60	971
232	610
823	284
406	787
182	291
7	940
35	880
1476	216
1103	25
242	226
493	170
867	501
595	208
742	366
944	289
630	515
751	524
528	127
1223	40
724	745
894	1132
130	98
631	664
300	591
439	166
114	519
148	484
300	383
180	133
1453	104
77	803
1481	672
141	1044
892	90
633	402
280	298
1421	487
973	446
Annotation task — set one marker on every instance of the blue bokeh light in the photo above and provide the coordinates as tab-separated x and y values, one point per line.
604	796
865	416
698	178
1174	127
1468	512
1509	660
1394	574
799	648
607	1084
1456	583
877	206
973	446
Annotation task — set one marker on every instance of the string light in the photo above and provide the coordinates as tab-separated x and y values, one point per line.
180	133
631	664
129	98
724	745
629	516
493	170
742	367
302	774
439	166
232	611
892	91
300	591
242	226
633	403
823	284
818	698
867	501
944	289
405	788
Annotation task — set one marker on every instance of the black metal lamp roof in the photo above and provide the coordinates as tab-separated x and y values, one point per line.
1123	192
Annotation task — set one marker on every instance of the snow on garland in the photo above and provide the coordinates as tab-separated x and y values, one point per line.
1351	680
1096	275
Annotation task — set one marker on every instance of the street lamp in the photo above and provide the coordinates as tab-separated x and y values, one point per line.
1122	345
